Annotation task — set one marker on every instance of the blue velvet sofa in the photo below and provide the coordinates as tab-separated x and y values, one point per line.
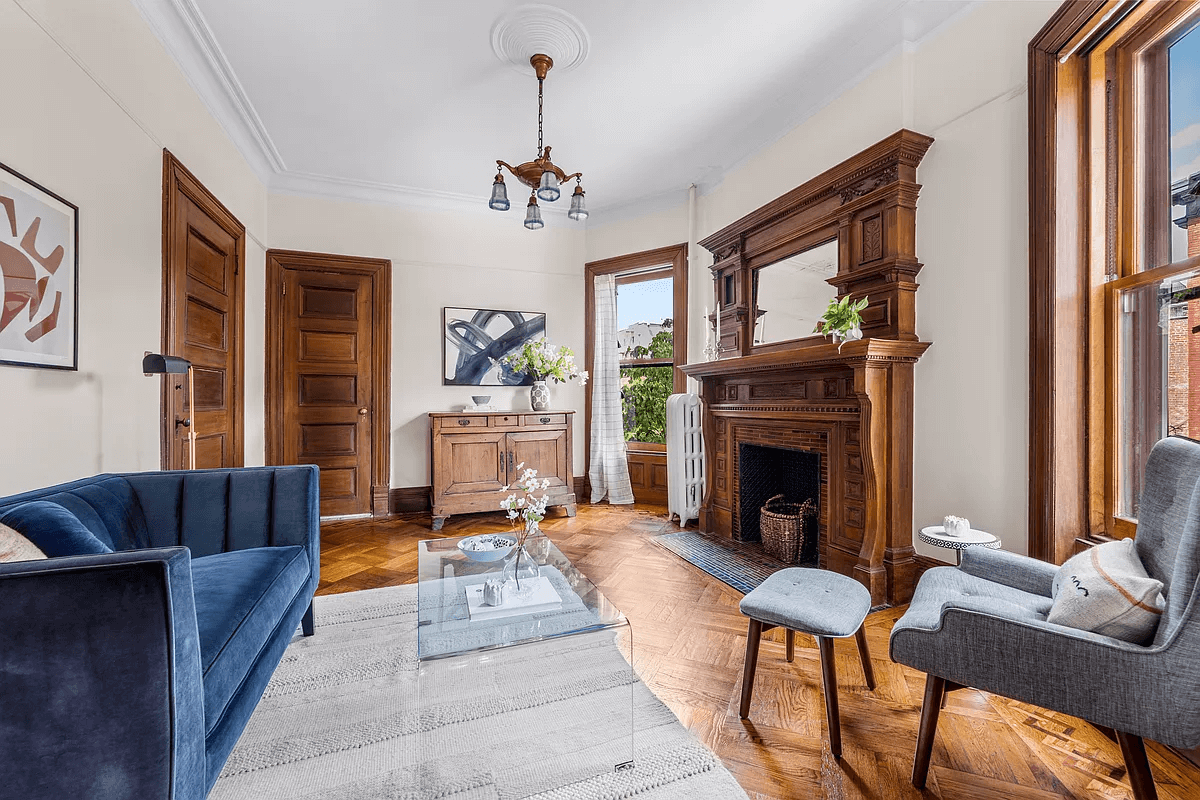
131	674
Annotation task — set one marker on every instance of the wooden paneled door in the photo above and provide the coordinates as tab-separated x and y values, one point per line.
204	251
545	451
328	367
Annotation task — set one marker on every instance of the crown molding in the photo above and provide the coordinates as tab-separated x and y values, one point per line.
328	187
184	33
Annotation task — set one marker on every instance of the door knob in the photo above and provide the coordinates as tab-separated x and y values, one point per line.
362	412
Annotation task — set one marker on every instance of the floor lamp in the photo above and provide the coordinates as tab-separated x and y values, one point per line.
155	364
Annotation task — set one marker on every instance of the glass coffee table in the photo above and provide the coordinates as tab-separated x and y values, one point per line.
528	700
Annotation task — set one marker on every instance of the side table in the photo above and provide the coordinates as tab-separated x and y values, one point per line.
936	536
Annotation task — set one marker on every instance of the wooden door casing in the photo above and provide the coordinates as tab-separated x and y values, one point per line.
204	250
327	390
328	374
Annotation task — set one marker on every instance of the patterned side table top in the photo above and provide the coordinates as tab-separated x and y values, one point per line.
936	535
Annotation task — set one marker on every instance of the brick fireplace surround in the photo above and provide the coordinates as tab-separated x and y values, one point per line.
852	406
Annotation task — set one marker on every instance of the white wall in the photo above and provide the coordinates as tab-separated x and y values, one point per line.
91	98
965	86
439	259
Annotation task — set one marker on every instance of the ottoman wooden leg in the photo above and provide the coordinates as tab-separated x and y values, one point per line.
753	637
865	656
790	641
829	681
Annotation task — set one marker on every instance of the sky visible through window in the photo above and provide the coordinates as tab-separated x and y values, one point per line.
1184	60
648	301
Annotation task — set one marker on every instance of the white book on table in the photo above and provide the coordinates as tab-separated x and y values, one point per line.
542	598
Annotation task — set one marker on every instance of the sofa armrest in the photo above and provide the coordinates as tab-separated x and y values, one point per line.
1019	572
100	682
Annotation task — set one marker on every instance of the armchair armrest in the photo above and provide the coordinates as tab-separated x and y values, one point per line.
100	678
1019	572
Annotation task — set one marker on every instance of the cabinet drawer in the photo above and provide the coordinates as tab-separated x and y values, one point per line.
545	419
506	420
463	423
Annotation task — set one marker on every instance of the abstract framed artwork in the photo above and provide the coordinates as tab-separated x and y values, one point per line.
475	339
39	269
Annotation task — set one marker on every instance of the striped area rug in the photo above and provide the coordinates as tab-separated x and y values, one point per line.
743	566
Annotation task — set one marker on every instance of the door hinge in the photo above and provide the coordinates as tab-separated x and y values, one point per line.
284	285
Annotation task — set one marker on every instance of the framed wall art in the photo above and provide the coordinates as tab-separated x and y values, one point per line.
475	339
39	270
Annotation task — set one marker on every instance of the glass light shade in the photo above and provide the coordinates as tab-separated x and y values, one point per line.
578	210
499	199
548	189
533	216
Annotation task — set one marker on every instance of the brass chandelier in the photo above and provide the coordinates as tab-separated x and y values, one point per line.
541	175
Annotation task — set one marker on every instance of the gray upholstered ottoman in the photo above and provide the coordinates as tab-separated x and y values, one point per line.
823	604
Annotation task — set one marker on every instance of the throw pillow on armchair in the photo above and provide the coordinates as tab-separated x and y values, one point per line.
1106	590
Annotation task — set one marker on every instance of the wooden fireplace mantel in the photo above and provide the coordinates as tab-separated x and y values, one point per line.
853	405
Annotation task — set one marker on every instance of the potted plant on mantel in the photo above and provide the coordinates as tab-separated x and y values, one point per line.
842	321
541	361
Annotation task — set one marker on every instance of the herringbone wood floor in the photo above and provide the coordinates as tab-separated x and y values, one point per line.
689	643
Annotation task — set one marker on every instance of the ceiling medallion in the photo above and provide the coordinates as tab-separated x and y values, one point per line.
541	175
536	28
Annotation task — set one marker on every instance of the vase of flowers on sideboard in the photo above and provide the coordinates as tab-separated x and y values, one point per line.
544	362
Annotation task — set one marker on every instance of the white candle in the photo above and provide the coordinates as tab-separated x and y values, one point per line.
718	330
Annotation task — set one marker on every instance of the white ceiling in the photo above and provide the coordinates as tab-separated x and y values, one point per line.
405	101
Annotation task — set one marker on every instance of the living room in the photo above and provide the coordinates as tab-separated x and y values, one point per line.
350	363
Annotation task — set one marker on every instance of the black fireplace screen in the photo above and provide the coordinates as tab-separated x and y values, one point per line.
764	472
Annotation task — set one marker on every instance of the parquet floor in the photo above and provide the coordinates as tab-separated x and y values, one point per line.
689	642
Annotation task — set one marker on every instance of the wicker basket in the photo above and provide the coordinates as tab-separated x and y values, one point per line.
782	527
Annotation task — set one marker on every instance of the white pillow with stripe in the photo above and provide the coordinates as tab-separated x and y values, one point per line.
1106	590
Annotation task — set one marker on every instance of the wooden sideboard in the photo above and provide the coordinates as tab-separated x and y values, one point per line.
475	455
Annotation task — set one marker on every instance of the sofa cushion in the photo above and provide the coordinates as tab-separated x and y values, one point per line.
53	529
241	597
15	547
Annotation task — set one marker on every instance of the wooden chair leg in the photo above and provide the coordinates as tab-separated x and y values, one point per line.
864	655
935	689
1138	766
829	683
790	640
753	637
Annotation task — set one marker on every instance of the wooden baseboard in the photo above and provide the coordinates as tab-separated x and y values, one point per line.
381	501
409	500
927	562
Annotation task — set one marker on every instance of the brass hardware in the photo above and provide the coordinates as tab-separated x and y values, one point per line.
464	422
544	420
541	65
362	412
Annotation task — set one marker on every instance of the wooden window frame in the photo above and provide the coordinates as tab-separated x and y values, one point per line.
1093	195
674	262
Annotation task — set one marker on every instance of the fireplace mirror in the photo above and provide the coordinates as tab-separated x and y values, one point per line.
790	295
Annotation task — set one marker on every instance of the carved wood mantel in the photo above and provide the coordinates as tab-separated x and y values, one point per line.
854	406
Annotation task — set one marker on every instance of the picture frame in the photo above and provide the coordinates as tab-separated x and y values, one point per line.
39	270
475	339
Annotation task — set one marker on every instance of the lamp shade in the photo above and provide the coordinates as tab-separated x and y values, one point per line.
155	364
578	210
548	189
499	200
533	215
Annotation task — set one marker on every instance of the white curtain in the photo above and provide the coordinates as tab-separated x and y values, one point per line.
609	469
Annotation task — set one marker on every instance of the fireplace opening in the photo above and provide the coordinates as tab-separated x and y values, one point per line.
764	472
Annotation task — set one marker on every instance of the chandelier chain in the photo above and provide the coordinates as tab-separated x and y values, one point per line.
539	150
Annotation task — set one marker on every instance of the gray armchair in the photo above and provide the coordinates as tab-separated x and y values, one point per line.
984	625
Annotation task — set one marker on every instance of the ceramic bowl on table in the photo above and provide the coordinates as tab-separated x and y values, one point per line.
481	399
487	547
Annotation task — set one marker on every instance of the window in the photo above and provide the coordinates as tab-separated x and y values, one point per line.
1114	259
646	341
